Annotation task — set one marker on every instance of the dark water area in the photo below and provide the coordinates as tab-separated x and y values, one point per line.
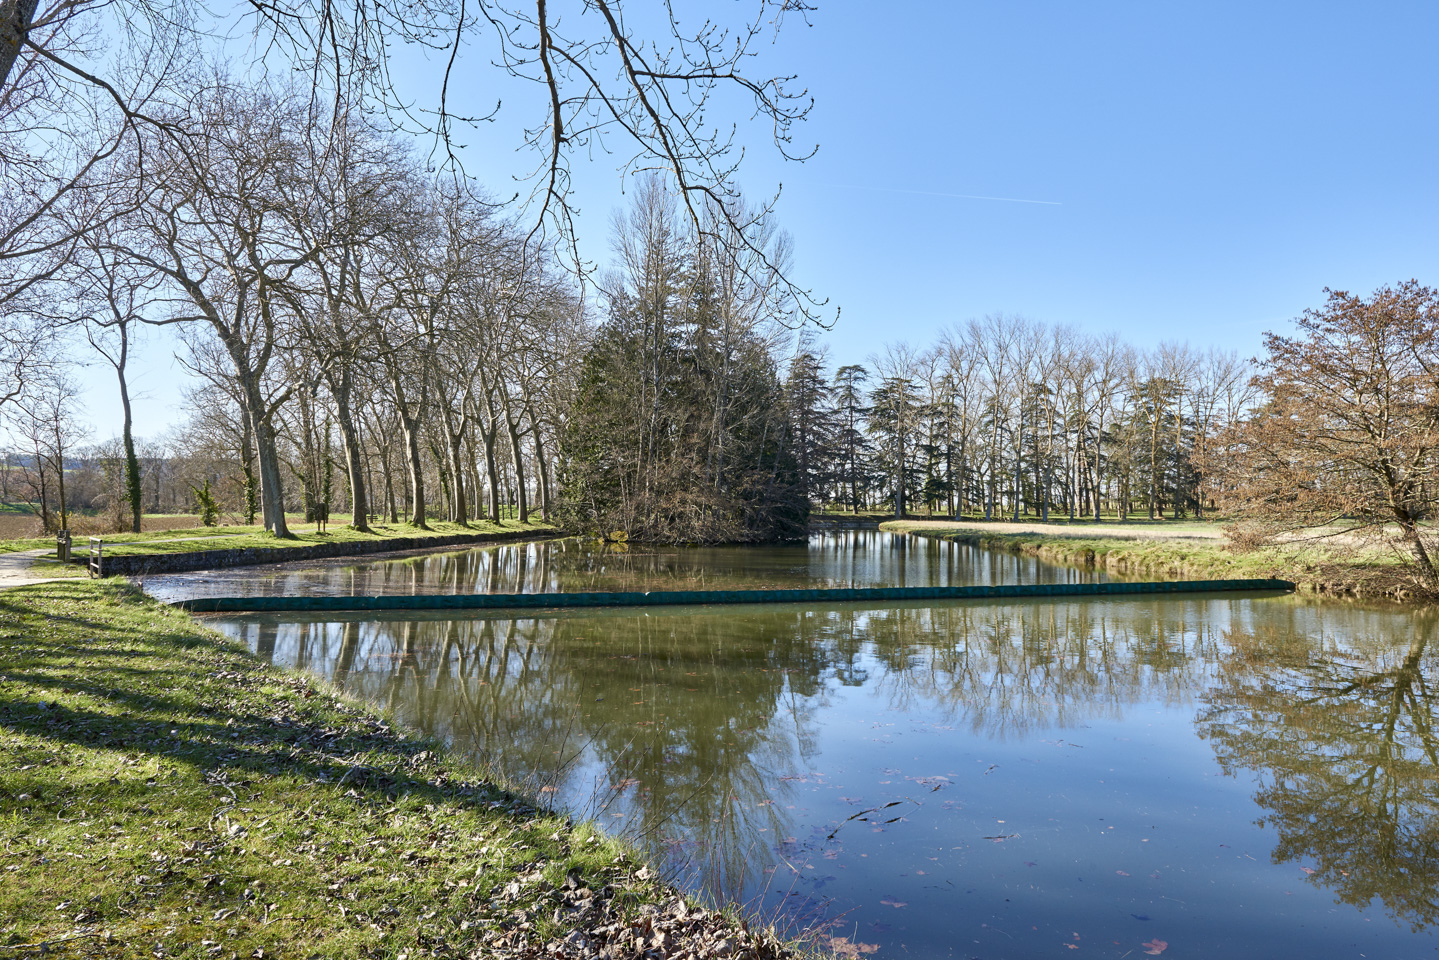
1191	777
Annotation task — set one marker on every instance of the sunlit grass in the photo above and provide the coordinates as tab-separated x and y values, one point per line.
1335	565
191	539
163	793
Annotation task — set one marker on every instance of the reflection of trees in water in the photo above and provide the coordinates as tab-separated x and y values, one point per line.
1342	740
1006	670
849	558
706	714
579	565
695	719
471	683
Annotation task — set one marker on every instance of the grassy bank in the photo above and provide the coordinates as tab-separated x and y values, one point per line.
165	794
1189	550
241	538
187	540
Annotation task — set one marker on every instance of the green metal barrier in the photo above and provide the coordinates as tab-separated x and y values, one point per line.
529	601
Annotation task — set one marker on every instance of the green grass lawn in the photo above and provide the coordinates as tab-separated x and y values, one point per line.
1106	527
235	537
1327	566
165	794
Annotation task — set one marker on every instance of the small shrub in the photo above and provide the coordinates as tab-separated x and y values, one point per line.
1248	537
209	507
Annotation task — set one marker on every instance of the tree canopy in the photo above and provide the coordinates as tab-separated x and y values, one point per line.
1347	430
678	430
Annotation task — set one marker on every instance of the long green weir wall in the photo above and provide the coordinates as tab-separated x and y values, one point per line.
523	601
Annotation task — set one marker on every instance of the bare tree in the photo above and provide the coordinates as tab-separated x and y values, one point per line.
367	195
45	418
655	102
115	295
216	223
1347	435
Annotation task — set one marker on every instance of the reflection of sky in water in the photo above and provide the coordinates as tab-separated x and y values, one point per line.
970	780
857	558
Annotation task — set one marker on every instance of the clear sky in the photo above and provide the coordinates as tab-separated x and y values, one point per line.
1195	171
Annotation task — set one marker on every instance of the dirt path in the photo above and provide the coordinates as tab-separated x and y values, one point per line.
15	568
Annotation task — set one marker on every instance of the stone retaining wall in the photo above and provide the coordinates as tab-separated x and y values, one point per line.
135	565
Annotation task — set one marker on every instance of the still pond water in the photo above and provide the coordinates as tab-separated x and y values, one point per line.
1201	777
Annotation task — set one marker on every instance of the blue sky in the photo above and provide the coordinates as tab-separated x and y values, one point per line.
1215	166
1207	169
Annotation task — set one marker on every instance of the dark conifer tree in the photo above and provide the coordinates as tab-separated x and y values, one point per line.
812	419
678	431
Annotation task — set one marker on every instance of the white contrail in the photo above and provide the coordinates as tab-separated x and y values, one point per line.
954	196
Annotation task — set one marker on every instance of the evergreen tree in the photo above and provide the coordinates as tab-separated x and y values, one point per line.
893	419
678	430
807	394
852	453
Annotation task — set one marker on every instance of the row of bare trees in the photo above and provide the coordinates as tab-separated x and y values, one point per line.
342	304
1007	416
324	279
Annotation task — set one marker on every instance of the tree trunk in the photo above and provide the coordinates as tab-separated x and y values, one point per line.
1416	544
461	513
1154	464
1048	467
1098	452
45	523
1018	457
340	386
544	477
899	504
60	474
442	472
272	491
411	429
521	497
16	17
476	488
247	466
393	508
132	462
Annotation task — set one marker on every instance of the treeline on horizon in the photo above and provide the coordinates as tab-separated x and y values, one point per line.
371	338
385	344
1006	416
381	341
1103	429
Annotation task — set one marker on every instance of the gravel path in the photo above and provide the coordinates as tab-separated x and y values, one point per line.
15	568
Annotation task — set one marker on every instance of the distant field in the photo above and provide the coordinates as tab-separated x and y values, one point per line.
17	525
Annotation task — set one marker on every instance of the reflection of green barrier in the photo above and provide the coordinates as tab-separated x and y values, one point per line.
520	601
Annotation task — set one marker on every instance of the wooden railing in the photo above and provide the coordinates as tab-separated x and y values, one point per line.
97	556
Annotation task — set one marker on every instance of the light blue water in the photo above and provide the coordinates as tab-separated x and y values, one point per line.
1219	777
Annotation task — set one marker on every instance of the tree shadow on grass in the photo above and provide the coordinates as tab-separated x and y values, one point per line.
194	703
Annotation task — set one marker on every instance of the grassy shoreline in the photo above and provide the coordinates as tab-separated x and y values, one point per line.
1311	569
163	793
186	540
